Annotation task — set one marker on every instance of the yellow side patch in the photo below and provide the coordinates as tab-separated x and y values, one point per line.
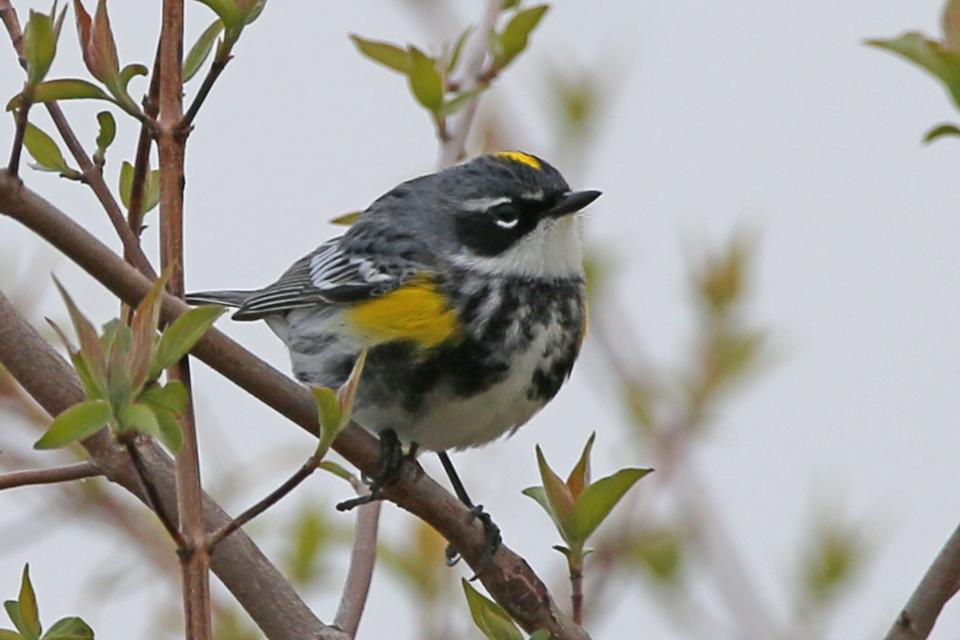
417	312
519	156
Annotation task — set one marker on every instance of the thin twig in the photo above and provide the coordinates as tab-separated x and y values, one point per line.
363	559
66	473
13	167
576	593
195	565
141	163
9	16
271	499
940	583
152	496
454	147
216	68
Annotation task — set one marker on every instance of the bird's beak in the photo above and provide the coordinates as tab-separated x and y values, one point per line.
572	202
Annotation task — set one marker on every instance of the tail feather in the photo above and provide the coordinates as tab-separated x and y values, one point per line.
230	298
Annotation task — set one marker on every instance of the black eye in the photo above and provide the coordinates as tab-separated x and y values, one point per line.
505	216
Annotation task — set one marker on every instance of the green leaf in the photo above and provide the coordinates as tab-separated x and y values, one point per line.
579	477
171	396
68	89
44	150
541	634
599	499
514	37
458	48
13	612
108	131
941	131
80	421
347	392
335	469
180	336
7	634
490	617
97	44
252	9
90	348
928	54
144	331
139	417
201	50
227	10
457	102
506	5
130	72
171	435
27	605
69	629
39	46
540	496
951	25
151	196
425	81
329	416
559	500
389	55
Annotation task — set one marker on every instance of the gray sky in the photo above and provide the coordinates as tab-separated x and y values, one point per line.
764	114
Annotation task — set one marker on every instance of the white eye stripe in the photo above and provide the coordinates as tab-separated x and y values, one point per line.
507	224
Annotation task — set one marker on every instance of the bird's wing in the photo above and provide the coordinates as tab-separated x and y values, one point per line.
337	272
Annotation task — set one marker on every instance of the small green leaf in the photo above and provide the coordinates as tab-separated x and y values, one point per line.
540	496
490	618
68	89
76	423
599	499
347	392
941	131
251	9
171	396
90	348
329	416
27	604
69	629
347	219
39	46
513	39
13	612
201	50
930	55
130	72
541	634
151	196
44	150
171	435
558	497
180	336
458	49
425	81
139	417
389	55
144	331
457	102
227	10
579	477
506	5
7	634
108	131
335	469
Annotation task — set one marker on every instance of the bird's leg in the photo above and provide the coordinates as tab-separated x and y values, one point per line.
491	532
391	460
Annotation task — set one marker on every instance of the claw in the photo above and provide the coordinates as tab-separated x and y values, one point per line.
391	461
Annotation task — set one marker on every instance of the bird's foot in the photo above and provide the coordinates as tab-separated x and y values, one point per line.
391	461
491	541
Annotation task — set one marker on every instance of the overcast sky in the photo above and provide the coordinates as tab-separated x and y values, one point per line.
764	114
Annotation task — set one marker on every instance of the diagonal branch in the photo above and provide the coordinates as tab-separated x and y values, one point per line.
940	583
363	558
260	589
509	579
66	473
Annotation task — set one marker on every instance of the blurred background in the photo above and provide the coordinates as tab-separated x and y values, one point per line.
775	314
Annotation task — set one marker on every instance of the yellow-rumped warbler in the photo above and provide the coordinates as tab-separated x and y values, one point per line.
466	287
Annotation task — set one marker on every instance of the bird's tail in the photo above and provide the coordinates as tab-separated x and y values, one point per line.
230	298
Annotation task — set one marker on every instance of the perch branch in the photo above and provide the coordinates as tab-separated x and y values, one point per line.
66	473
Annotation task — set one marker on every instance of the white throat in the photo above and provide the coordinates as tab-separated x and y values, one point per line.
551	250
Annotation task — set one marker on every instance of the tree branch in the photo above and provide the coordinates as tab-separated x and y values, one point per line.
152	498
66	473
940	583
260	589
9	16
363	559
141	162
509	579
216	68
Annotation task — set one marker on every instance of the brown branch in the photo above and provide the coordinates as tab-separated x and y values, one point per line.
509	579
576	593
940	583
152	497
268	501
260	589
195	563
13	166
9	16
363	559
141	163
66	473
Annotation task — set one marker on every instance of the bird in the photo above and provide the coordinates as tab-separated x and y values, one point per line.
466	289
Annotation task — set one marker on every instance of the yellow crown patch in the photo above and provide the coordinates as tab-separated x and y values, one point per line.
519	156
